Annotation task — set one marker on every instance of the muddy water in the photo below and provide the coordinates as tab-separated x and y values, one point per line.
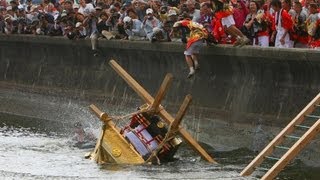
26	153
42	147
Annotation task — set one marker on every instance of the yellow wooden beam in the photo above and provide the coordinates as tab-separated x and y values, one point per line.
163	113
102	115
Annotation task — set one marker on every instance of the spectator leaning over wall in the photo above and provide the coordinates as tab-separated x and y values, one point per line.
172	18
104	26
195	42
91	21
133	28
80	30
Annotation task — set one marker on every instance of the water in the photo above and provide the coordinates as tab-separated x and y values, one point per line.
26	154
42	147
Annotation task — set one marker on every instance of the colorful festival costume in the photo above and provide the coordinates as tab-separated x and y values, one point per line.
197	31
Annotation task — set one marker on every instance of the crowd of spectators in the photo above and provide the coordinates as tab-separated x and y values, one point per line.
295	24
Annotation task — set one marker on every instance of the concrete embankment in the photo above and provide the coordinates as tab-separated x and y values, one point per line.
237	93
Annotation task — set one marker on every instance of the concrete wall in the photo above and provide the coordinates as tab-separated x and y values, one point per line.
234	87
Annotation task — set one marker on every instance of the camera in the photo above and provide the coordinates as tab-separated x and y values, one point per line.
127	25
163	9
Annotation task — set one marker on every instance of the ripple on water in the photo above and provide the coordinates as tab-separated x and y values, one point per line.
25	154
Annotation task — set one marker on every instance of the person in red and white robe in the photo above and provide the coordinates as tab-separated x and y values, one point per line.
283	26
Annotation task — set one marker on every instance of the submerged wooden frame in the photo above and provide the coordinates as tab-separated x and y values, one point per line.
111	145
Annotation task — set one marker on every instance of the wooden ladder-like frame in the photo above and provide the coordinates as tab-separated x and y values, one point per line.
292	151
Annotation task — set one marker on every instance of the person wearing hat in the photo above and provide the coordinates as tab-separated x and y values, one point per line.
98	10
81	31
133	29
172	18
9	27
152	26
195	42
11	13
75	7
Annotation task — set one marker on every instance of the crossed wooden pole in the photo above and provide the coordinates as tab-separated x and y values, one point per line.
156	107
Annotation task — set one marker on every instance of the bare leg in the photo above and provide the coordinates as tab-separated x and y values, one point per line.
190	65
235	32
195	61
94	40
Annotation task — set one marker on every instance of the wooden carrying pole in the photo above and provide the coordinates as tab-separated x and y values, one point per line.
163	113
97	152
162	92
182	111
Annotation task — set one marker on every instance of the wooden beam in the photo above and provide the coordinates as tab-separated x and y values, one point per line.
280	137
182	111
102	115
163	113
162	92
97	152
293	151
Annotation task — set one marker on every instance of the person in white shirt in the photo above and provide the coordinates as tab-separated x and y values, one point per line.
86	9
152	26
193	12
133	28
